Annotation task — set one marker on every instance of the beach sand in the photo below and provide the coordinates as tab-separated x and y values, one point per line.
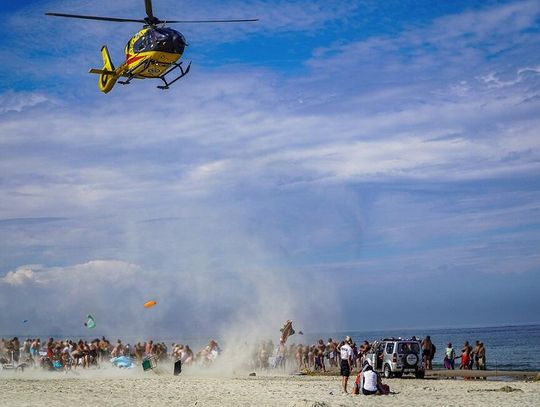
136	388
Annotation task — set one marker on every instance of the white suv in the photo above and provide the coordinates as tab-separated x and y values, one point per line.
394	357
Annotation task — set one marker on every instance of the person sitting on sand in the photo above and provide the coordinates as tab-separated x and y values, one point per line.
371	383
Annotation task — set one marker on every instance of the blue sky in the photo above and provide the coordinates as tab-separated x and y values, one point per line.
329	164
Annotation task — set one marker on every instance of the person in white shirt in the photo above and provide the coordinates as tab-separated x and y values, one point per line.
346	354
370	383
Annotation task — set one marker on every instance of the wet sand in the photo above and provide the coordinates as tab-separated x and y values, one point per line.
135	388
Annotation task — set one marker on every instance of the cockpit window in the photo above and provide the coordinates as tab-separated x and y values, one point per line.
168	40
144	43
160	39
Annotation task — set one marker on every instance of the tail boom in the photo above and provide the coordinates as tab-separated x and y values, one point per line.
108	75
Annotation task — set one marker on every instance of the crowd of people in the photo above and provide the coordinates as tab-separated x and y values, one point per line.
322	356
470	357
66	354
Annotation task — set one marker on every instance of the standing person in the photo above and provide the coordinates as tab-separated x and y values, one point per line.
321	347
481	355
449	356
465	359
427	352
469	349
332	354
346	354
16	349
474	355
34	349
299	358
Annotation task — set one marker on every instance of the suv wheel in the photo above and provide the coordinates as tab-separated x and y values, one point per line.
387	371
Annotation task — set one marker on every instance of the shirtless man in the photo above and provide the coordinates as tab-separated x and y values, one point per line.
299	357
148	348
474	355
481	357
321	347
332	353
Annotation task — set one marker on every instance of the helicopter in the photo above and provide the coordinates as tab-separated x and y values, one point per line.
151	53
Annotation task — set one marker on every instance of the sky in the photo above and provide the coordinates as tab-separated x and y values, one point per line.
332	164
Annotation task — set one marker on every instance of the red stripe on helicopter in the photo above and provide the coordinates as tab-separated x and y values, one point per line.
132	59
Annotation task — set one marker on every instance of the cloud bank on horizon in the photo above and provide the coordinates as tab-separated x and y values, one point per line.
330	158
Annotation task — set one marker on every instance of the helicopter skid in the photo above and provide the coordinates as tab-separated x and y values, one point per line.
183	72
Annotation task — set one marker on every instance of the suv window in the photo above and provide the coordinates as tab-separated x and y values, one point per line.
405	347
389	348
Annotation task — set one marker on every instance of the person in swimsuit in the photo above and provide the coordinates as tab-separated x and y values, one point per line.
465	359
427	351
481	362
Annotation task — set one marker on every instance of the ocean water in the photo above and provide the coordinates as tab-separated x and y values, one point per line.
507	347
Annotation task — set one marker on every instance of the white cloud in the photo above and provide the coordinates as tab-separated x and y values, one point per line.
491	79
102	272
19	101
19	277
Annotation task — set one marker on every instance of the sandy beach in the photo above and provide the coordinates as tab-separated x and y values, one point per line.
135	388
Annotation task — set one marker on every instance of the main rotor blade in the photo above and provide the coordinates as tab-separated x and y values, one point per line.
210	21
148	6
118	20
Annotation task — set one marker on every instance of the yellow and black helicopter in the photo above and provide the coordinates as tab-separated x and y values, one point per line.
151	53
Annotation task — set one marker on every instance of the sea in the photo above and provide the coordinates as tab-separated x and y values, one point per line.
513	347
